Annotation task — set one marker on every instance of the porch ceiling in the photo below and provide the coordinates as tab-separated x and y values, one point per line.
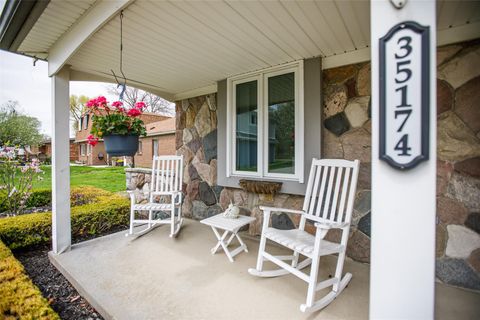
57	18
176	48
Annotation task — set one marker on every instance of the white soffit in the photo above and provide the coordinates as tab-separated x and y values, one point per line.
58	17
184	48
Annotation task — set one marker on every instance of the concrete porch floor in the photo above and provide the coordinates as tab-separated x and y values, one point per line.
156	277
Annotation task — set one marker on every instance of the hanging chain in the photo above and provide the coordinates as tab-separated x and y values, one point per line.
124	84
121	46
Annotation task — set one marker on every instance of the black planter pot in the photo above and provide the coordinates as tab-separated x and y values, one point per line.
121	145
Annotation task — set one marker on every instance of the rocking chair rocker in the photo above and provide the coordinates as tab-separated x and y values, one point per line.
166	182
328	205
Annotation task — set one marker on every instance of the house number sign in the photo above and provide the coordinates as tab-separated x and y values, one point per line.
404	95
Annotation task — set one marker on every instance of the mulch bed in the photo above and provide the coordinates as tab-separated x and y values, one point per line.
62	296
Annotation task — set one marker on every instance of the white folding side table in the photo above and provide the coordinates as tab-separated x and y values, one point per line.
230	226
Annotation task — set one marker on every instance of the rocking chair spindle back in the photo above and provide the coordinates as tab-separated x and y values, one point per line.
329	204
166	185
330	194
167	174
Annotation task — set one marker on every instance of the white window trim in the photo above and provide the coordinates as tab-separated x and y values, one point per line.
233	123
262	118
85	122
155	150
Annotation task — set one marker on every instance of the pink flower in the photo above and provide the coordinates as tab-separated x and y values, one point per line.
140	105
134	112
91	103
92	140
101	100
117	104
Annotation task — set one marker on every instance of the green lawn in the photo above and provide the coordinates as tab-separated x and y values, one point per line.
110	179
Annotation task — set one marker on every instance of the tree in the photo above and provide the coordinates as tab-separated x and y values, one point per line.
16	128
155	104
77	107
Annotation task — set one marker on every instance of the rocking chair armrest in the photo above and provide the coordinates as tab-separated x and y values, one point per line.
164	193
331	225
273	209
172	194
131	193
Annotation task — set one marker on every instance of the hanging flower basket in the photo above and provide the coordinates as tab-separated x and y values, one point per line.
119	127
117	145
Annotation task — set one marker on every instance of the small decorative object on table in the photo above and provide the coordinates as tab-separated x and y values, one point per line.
119	127
232	211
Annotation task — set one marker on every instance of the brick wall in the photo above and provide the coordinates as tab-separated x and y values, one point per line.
91	159
73	151
166	146
47	150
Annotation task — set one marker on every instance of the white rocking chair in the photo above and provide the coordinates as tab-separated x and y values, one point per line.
166	181
328	204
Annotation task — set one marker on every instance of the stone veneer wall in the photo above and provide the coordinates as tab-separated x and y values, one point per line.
347	134
458	166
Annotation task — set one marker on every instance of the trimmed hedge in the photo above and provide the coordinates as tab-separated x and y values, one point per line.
104	211
43	197
19	297
38	198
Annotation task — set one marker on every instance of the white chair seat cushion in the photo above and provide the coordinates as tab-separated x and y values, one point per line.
152	206
301	241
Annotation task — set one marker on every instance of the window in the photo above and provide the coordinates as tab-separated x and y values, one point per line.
89	149
265	124
80	121
155	147
83	149
85	122
139	151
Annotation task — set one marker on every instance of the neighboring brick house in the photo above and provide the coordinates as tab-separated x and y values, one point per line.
160	132
44	150
160	140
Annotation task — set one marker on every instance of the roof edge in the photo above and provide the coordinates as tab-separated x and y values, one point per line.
17	19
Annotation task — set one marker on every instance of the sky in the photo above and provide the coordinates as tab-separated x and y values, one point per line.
30	85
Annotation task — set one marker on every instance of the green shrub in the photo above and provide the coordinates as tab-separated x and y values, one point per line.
104	212
3	196
19	297
43	197
39	198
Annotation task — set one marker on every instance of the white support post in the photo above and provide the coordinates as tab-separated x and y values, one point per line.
61	226
402	273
